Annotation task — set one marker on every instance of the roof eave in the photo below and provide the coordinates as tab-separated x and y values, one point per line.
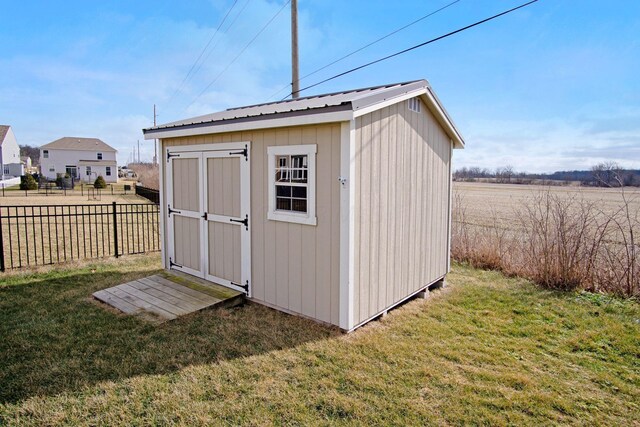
336	113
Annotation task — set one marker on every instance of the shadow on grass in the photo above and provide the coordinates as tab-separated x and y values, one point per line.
56	338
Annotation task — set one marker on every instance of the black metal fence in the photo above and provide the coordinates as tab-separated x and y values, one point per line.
51	234
148	193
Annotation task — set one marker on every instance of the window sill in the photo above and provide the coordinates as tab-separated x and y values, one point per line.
293	218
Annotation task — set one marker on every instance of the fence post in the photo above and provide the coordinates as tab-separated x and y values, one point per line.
1	245
115	229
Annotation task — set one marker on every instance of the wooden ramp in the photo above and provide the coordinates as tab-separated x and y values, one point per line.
167	296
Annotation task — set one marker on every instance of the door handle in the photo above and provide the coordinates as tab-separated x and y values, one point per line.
204	216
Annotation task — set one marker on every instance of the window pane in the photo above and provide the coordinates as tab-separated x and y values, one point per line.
299	205
283	191
283	204
299	192
283	175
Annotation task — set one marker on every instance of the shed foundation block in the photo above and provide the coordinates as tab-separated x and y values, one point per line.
423	294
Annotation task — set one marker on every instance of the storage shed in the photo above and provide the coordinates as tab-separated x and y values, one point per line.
335	207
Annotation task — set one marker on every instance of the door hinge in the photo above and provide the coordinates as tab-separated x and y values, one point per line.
170	211
244	152
245	286
244	221
204	215
173	264
170	155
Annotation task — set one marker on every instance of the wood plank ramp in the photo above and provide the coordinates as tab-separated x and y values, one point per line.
167	296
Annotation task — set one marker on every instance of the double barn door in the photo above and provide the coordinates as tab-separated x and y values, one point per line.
208	212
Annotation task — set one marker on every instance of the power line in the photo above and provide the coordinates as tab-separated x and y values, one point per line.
189	73
238	55
416	46
218	41
369	45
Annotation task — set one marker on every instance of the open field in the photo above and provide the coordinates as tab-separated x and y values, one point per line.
560	237
482	200
485	350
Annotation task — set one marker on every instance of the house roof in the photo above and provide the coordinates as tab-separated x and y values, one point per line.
4	129
76	143
330	107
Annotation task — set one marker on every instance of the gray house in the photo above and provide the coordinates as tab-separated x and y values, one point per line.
334	207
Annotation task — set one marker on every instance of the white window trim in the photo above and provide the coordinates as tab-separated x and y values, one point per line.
310	151
45	154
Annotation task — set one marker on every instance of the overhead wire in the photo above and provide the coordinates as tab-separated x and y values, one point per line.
368	45
218	41
416	46
189	73
238	55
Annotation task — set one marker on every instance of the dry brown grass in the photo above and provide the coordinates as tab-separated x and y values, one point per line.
563	238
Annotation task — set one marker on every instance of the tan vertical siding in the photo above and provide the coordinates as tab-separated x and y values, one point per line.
294	267
401	209
187	241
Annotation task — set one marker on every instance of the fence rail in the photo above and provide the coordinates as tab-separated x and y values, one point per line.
50	234
148	193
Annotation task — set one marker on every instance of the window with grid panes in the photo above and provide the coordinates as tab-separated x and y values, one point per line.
292	183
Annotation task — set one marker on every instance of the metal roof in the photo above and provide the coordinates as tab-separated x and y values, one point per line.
75	143
350	102
301	104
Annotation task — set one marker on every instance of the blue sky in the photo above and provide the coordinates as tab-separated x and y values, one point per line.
553	86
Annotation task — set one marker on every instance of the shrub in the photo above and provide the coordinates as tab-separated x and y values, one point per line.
28	182
100	182
559	242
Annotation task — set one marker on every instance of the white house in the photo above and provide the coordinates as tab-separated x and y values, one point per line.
81	158
9	154
335	207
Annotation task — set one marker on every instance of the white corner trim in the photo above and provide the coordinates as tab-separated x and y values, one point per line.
164	258
347	223
310	150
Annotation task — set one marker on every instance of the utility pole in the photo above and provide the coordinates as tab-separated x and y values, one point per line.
155	141
138	151
295	84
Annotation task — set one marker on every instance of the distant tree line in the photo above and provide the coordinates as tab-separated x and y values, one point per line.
605	174
33	152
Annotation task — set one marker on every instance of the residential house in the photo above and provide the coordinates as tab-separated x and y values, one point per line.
82	158
10	164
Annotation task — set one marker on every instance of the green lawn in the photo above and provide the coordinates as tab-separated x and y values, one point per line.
486	350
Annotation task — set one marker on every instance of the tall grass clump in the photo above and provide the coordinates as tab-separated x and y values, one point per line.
564	242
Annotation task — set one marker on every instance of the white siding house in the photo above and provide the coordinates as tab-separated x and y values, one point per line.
10	164
81	158
334	207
